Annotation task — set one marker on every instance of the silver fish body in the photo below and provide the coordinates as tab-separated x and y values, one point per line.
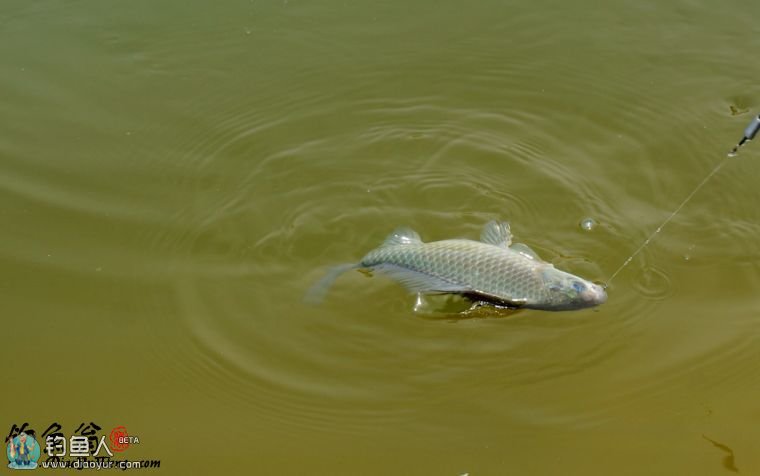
492	270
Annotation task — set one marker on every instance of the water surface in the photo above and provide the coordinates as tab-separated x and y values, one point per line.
174	176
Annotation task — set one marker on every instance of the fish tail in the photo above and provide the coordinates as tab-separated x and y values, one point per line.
316	294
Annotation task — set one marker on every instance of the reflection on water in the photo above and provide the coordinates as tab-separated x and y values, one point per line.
174	178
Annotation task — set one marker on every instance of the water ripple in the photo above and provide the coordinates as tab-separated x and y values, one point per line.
285	186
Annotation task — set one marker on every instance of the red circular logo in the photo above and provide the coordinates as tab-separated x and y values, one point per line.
119	439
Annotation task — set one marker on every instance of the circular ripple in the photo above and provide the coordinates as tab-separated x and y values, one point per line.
282	189
653	283
259	344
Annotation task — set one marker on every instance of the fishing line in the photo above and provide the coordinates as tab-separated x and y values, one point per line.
659	228
749	133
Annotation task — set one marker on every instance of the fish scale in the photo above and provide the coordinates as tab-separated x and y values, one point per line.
491	270
485	268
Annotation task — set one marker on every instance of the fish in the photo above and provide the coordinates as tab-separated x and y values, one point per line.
492	271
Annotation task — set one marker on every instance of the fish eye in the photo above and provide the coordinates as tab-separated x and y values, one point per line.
578	286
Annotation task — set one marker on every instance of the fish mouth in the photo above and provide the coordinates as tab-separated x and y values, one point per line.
594	295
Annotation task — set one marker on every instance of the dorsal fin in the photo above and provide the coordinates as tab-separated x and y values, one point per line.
496	233
525	250
402	236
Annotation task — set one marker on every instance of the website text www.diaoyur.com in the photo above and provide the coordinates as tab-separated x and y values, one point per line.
98	465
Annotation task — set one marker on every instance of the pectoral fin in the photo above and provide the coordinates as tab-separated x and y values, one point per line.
496	300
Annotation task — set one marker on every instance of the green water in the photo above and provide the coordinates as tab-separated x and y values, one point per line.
175	175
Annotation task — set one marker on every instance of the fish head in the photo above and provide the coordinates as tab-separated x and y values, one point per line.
567	291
